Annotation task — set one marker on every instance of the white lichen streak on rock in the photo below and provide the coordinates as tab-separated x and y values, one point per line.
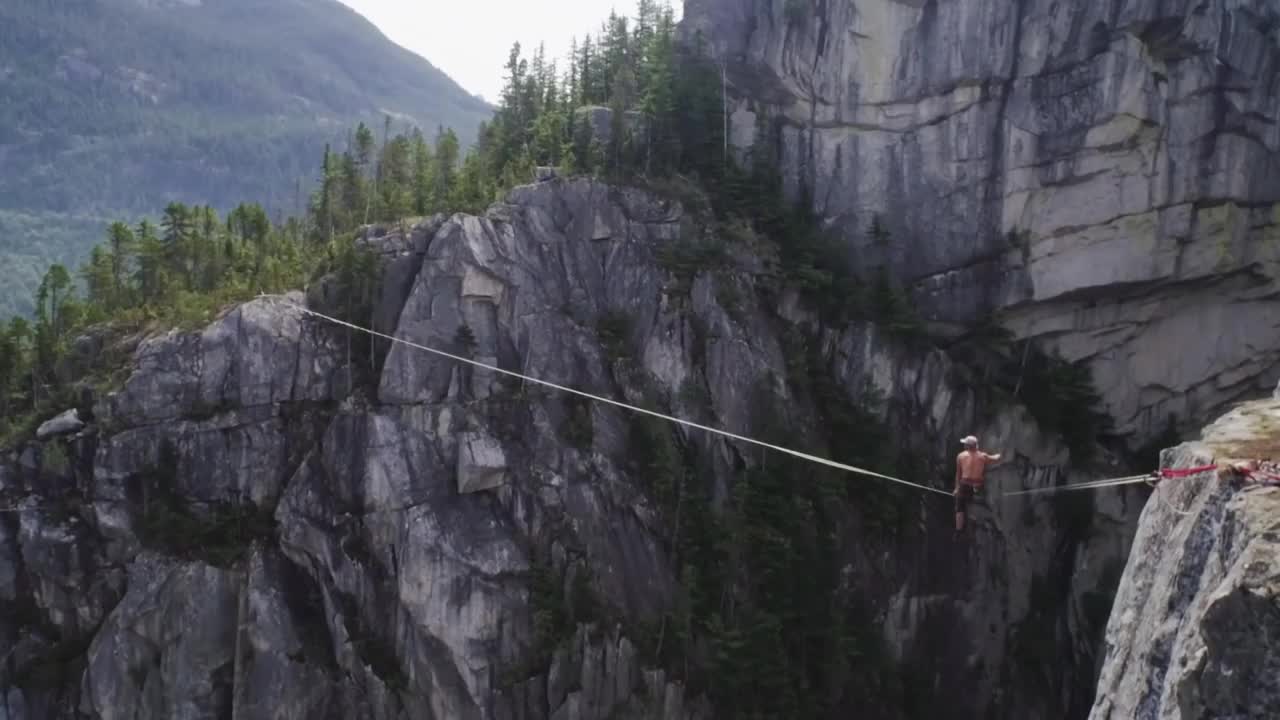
1193	630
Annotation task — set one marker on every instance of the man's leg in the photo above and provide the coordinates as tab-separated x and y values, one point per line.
960	506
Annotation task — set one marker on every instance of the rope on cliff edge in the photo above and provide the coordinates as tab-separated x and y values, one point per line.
1150	478
615	403
1091	485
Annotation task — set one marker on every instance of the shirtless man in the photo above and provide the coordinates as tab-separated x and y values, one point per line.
971	468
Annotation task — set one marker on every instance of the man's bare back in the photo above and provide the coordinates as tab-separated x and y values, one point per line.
972	466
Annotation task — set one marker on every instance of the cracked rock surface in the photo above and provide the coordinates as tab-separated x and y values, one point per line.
1104	174
251	526
1194	628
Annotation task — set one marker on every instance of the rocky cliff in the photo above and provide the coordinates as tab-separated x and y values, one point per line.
1194	627
276	517
1103	175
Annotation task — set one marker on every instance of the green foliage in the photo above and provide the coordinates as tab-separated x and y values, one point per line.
857	435
729	298
614	330
53	458
793	643
108	106
686	259
578	428
15	429
891	308
465	340
656	459
29	243
185	269
220	537
548	607
179	275
1061	396
762	621
627	67
560	598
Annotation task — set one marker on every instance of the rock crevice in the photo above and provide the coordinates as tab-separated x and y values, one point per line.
1128	145
267	528
1192	632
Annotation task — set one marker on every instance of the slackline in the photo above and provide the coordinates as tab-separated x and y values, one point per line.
1151	478
615	403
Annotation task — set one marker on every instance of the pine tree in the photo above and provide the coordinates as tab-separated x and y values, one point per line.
152	275
446	154
353	192
99	278
658	99
573	83
176	225
423	172
588	75
51	302
122	243
397	171
324	219
10	371
364	147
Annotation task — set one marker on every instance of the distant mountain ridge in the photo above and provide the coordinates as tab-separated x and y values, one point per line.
111	108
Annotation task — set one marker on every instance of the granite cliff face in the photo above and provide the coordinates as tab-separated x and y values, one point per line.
274	518
1194	627
1103	175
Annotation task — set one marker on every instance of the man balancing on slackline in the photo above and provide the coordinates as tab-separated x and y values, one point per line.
971	468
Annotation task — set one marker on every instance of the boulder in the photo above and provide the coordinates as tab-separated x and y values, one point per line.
481	463
64	423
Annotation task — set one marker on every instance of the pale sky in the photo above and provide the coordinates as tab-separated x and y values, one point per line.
470	39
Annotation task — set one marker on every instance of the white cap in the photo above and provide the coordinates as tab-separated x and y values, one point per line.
970	440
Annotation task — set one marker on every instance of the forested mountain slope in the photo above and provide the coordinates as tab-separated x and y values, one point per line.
112	108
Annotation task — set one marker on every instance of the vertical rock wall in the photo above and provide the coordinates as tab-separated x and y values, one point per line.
1104	174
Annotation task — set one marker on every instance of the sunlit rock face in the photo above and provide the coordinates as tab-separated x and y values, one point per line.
1192	633
1105	175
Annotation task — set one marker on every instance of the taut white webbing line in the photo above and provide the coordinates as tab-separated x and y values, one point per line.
1092	485
615	403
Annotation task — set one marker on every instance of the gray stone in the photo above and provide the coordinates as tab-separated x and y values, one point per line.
597	124
1063	164
65	423
385	586
13	707
168	648
1192	632
481	463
